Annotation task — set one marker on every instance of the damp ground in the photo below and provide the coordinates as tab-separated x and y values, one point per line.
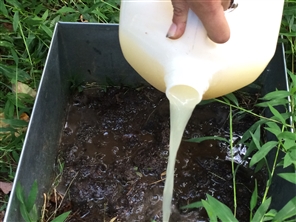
114	147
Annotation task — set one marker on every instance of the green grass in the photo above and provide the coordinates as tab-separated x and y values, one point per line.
26	28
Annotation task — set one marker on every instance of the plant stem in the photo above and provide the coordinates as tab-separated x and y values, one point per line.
16	92
232	162
292	63
272	172
114	7
252	113
26	45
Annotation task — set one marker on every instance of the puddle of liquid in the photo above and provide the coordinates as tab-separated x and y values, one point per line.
115	150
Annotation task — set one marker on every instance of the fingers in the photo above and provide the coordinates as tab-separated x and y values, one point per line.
179	19
211	14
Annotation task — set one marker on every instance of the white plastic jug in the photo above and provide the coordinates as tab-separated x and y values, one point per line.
193	67
194	60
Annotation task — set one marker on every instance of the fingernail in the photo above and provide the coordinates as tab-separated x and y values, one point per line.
172	31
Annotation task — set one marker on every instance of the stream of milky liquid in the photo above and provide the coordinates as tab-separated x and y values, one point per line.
180	113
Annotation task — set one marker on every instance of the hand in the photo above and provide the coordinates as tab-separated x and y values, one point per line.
211	14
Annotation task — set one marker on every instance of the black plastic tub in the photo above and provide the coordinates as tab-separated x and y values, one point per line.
91	52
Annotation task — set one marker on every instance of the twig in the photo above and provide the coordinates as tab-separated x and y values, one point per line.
63	197
43	207
157	181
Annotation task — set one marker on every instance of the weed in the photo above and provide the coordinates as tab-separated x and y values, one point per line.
281	126
27	204
26	28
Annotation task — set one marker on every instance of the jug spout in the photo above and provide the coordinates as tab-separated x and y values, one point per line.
187	84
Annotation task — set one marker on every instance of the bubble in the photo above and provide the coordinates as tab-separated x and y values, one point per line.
154	199
115	150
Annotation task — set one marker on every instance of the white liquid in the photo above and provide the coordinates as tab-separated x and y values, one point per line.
180	112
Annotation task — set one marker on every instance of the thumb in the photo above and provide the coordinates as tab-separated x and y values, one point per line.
178	26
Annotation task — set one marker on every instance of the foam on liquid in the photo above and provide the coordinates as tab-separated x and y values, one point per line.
182	103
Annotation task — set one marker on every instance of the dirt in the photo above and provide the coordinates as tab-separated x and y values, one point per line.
115	149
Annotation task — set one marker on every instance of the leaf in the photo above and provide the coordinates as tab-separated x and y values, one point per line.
6	44
204	102
8	110
9	72
274	102
15	22
221	210
3	9
287	135
14	56
24	213
15	122
204	138
197	204
289	144
6	129
66	9
210	211
292	154
263	151
5	187
289	210
254	128
33	214
259	165
287	160
15	155
256	139
277	114
278	94
261	210
20	193
289	10
254	197
232	98
30	39
24	88
32	196
33	21
47	30
252	146
269	215
291	177
62	217
288	34
45	15
273	128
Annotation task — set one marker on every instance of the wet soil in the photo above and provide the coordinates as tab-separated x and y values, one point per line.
115	150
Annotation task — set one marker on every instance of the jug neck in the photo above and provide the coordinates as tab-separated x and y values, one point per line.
187	80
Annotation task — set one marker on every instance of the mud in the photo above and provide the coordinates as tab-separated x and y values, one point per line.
115	149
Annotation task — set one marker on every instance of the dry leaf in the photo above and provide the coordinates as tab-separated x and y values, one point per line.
5	187
23	88
25	117
2	124
113	219
82	19
2	216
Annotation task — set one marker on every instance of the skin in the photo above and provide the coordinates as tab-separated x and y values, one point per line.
211	14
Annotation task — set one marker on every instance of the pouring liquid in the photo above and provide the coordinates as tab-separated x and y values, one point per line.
182	102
